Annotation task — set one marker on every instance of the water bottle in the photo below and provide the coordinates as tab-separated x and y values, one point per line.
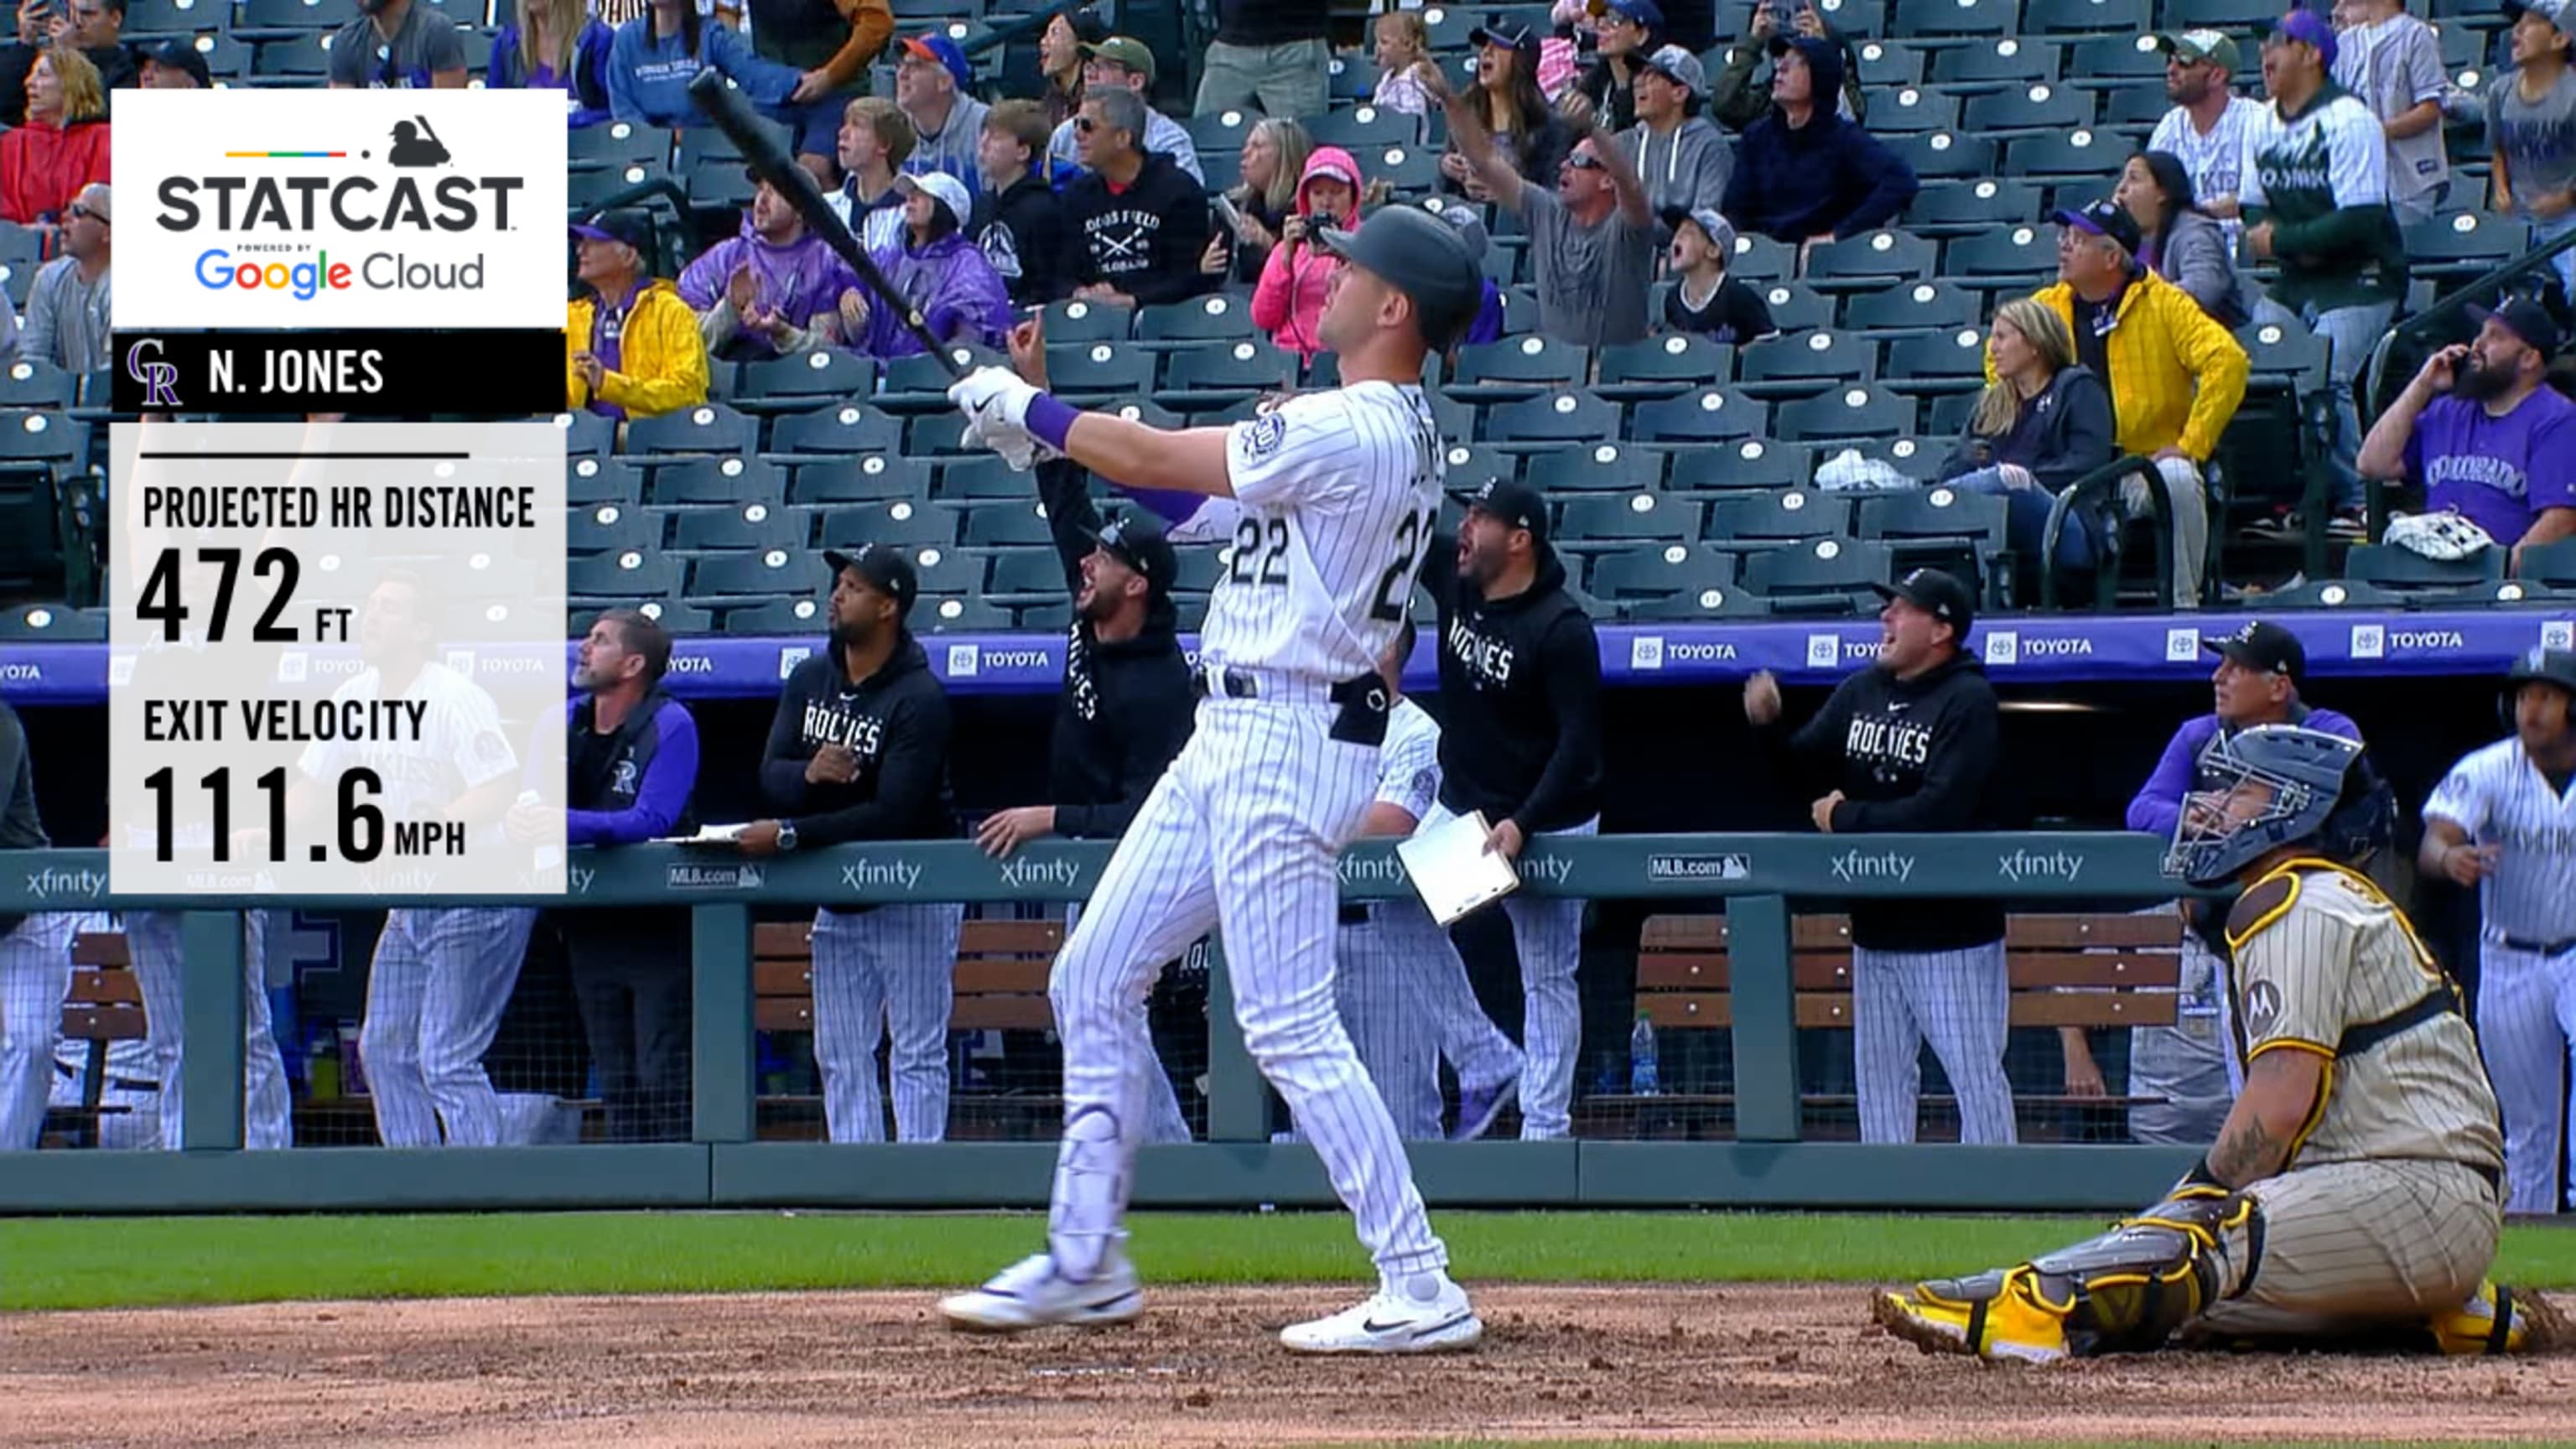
1643	1079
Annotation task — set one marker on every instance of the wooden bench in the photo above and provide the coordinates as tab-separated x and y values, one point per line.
2111	969
104	1004
1001	970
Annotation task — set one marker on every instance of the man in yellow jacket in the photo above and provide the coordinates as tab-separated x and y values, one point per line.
2175	376
631	346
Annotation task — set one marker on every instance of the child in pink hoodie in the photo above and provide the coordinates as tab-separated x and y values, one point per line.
1288	302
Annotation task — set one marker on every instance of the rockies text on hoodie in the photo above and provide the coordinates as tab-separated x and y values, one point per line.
1144	238
1520	697
1127	707
1828	176
1289	302
1911	756
1022	233
895	721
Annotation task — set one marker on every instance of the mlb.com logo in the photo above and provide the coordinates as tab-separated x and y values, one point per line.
274	208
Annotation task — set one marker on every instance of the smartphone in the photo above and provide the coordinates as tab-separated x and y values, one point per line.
1223	206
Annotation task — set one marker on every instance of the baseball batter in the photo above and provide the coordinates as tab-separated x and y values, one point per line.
1329	503
2355	1188
442	976
2504	821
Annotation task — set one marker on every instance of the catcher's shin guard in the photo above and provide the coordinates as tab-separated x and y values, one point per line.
2124	1291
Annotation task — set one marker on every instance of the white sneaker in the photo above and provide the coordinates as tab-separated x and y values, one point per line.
1032	1294
1426	1313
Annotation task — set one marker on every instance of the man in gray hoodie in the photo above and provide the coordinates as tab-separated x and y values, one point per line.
1678	152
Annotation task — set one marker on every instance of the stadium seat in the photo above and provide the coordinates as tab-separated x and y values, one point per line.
735	481
1922	307
1870	262
2283	353
1853	412
835	432
1798	366
1653	571
706	428
16	278
713	185
2032	108
176	17
1360	128
1750	464
2240	16
767	573
1703	415
600	188
2014	257
919	383
1213	318
1027	573
290	60
1759	259
616	144
1912	111
2124	18
1465	468
1014	523
1961	208
31	382
2112	58
1140	410
963	616
1203	379
1959	17
1078	320
1562	417
1350	78
777	616
1796	308
1758	521
1600	468
1882	63
40	436
52	624
2328	594
1826	575
1625	518
621	578
1940	527
2082	155
611	528
587	434
593	481
2404	571
1949	413
786	384
291	17
1660	367
732	530
1701	604
1517	367
1099	369
1854	17
21	245
856	480
2134	111
1225	130
1408	170
2551	565
2465	244
896	522
1946	154
980	476
2005	61
938	435
1937	362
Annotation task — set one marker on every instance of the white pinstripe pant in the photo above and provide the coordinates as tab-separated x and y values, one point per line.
1381	968
887	972
1961	1002
35	973
2527	1033
1241	834
1547	935
1164	1120
152	939
435	994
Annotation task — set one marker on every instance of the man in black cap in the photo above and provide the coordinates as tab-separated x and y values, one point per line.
859	751
1914	739
1329	501
1520	682
2261	668
2485	434
176	65
1126	707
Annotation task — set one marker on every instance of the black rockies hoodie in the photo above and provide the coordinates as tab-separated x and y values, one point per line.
896	720
1022	233
1912	755
1126	709
1520	697
1144	239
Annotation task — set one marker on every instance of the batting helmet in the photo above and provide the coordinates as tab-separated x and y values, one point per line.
2308	772
2549	666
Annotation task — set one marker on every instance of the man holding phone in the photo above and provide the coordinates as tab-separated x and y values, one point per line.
1736	100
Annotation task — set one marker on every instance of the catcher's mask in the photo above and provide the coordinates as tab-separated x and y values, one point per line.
2276	784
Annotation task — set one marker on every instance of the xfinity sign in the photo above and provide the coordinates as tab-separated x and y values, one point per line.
339	209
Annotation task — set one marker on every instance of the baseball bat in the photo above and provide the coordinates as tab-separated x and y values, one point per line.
770	162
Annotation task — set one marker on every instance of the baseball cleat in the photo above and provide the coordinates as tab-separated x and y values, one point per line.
1426	1314
1479	1106
2497	1319
1032	1294
1959	1316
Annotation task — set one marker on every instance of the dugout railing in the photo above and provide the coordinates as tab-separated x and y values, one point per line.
1755	878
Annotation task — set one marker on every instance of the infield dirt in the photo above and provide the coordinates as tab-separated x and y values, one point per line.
1736	1362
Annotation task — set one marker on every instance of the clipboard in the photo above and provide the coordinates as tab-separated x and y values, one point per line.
1451	870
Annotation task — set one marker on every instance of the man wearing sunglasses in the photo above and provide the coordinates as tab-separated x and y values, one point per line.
1142	220
67	306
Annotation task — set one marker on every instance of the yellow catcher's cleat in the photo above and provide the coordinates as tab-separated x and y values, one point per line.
2502	1320
2014	1320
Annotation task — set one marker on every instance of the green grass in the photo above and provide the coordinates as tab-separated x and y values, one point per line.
118	1262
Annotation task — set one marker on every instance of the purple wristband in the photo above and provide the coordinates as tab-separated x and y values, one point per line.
1050	419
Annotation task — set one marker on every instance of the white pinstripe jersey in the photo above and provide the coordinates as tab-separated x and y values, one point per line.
1408	764
1335	495
464	746
2499	797
2325	953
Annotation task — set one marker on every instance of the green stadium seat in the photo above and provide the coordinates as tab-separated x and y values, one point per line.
2033	108
1852	412
1199	570
1853	18
1140	410
1948	413
611	528
1350	78
176	17
599	188
1026	573
900	521
1884	63
1940	527
777	616
1200	379
870	479
1958	208
2126	18
1225	130
1625	518
1912	111
963	616
52	624
1079	320
1654	572
1408	170
1759	259
32	382
1824	576
2465	244
587	434
770	573
834	431
1711	603
2243	17
2108	59
820	376
1870	261
33	435
1751	463
1517	367
712	185
1959	17
1466	468
1660	367
1099	369
2402	570
619	578
1703	415
1937	362
734	481
2005	258
919	383
1009	524
979	476
1798	364
938	435
1600	468
2551	565
593	481
1981	63
1362	126
1795	308
614	145
1946	154
21	245
1921	307
706	428
1570	416
754	526
1212	318
1759	521
2081	154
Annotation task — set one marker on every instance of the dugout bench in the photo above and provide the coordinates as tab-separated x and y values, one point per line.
104	1005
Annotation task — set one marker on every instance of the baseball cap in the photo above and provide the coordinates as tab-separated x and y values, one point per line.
2192	45
1680	67
2526	319
1125	50
941	51
943	188
1937	594
1421	256
2307	27
1644	12
179	54
1507	33
2102	218
1516	504
2265	648
884	567
2561	13
1721	233
1470	226
631	227
1140	545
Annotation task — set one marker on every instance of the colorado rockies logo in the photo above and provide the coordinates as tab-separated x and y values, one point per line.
160	379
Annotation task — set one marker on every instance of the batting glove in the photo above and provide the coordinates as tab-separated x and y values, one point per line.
1015	445
991	394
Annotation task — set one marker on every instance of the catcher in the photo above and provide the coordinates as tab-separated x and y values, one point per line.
2353	1193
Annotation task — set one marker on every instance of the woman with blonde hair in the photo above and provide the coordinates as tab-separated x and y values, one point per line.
2043	422
63	147
556	45
1273	163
